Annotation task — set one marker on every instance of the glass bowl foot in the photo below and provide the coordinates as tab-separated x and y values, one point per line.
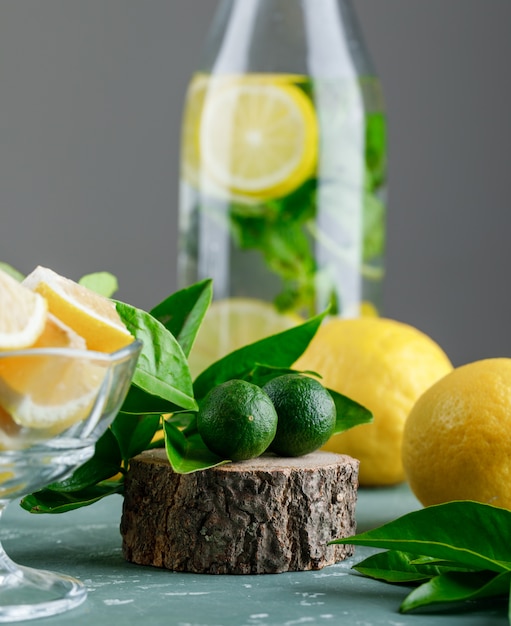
27	593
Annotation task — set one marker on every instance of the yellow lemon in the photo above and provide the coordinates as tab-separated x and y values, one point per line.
22	314
384	365
457	439
232	323
89	314
254	136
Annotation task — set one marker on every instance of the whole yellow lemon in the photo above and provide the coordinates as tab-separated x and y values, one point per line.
385	365
457	439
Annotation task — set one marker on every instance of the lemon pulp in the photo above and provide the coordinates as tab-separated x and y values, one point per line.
253	136
22	314
91	315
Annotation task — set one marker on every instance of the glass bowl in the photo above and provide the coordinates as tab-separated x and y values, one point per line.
55	403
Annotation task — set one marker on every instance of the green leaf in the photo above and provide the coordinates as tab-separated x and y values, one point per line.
393	566
280	351
48	501
188	454
472	534
277	230
182	312
374	226
444	564
162	369
12	271
457	587
349	413
103	283
134	432
261	373
376	149
186	422
140	401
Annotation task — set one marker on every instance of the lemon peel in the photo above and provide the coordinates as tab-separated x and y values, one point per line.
385	365
457	438
89	314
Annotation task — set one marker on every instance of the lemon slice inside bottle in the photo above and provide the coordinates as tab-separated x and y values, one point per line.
254	136
232	323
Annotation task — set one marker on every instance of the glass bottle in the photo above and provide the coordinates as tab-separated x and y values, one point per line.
283	170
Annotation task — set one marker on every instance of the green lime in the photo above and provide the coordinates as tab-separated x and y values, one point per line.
237	420
306	414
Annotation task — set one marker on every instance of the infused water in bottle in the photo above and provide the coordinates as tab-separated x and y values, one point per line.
283	171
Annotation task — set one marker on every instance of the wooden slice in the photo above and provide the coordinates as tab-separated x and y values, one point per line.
265	515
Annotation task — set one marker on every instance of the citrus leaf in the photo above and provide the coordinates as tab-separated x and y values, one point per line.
470	533
12	271
280	350
183	311
103	283
186	422
134	432
457	587
349	413
48	501
393	566
443	564
162	369
188	454
139	401
261	373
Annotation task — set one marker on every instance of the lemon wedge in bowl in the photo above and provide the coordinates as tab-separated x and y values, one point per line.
58	341
62	394
49	389
45	390
90	315
22	314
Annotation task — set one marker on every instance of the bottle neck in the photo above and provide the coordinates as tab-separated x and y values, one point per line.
319	38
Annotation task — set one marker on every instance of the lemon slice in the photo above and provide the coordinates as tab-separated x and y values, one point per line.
255	135
233	323
89	314
22	314
194	105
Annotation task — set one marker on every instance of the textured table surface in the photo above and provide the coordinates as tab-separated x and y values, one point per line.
87	544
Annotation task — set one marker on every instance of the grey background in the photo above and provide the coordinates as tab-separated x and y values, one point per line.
91	93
